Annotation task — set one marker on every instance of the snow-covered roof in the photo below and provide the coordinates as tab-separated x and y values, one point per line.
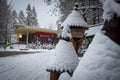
111	7
75	19
93	30
65	58
100	62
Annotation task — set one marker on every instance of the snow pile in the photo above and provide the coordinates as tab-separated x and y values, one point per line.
100	62
92	31
111	7
64	76
75	19
66	33
65	58
15	47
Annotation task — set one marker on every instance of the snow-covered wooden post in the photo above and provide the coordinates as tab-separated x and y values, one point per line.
111	17
65	58
77	27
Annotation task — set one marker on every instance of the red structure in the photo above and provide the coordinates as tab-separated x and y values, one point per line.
44	35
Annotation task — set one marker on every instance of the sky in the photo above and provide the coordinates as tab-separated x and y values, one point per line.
44	18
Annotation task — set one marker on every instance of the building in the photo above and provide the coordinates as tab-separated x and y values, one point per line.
27	34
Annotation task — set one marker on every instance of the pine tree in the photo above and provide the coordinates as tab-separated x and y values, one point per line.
29	15
14	21
34	17
21	18
5	20
31	18
14	17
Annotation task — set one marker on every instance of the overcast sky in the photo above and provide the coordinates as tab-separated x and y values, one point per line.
45	19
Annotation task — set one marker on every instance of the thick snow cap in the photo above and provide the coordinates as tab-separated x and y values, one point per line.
65	58
111	7
75	19
100	62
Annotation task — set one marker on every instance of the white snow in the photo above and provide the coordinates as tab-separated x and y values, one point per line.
25	48
16	47
27	67
65	57
64	76
24	67
66	32
110	8
100	62
93	30
75	19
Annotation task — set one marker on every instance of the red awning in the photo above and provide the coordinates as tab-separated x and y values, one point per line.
44	35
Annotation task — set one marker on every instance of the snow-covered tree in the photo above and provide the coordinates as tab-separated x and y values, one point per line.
31	18
14	17
14	21
21	18
5	19
34	17
29	15
91	10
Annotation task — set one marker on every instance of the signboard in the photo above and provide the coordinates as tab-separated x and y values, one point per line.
77	33
43	35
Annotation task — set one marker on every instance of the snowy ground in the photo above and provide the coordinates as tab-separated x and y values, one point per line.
27	67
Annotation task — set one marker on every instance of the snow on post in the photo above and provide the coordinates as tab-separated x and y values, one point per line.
77	26
112	19
75	19
65	58
66	33
111	7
